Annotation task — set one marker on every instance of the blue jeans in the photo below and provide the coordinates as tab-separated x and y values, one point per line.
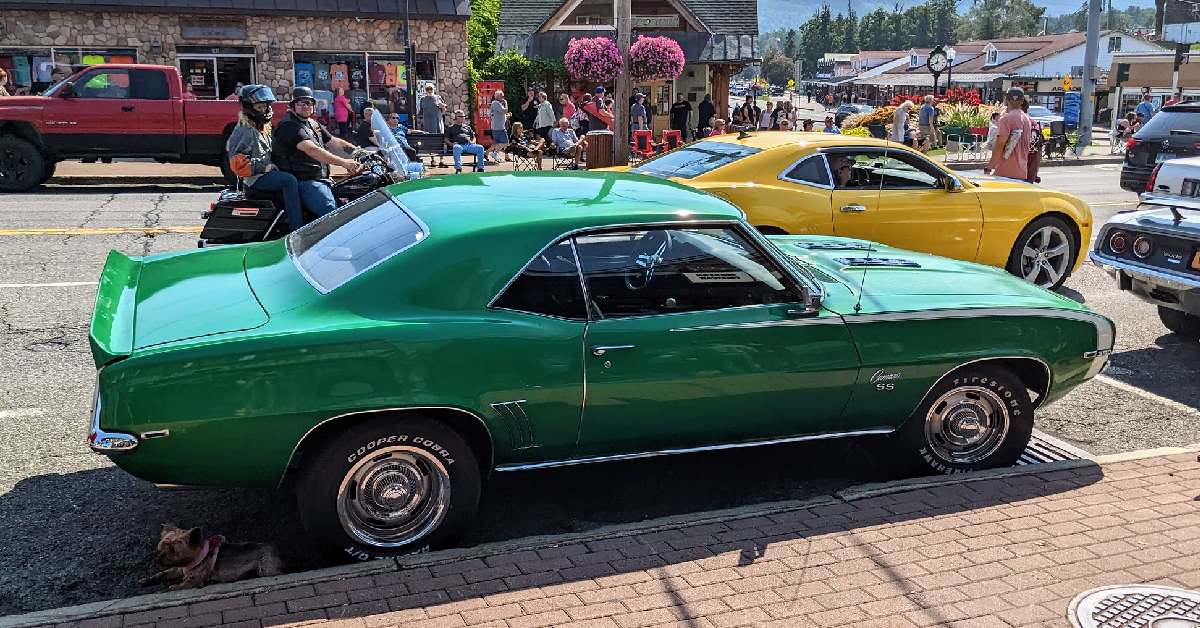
473	149
285	182
317	196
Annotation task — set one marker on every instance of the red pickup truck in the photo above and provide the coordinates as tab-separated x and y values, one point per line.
111	110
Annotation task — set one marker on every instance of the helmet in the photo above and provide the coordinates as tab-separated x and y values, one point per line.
300	93
252	95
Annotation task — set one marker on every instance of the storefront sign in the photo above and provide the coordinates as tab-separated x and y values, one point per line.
483	109
213	30
656	21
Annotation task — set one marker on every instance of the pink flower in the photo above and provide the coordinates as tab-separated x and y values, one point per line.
593	59
655	58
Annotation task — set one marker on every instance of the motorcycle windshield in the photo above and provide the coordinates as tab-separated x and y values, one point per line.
387	143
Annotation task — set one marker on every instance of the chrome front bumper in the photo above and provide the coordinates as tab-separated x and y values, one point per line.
103	442
1158	287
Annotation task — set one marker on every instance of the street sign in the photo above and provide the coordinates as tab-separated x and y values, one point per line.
1066	83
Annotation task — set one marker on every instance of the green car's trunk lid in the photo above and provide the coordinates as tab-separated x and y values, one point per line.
146	301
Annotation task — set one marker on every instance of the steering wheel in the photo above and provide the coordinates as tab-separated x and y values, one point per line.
658	244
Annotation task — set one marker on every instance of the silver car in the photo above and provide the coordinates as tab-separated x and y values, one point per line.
1155	254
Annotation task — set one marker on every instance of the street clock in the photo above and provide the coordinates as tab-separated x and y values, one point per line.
938	61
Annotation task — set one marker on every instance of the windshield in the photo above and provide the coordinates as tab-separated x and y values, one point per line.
693	160
1164	122
1039	112
383	137
353	239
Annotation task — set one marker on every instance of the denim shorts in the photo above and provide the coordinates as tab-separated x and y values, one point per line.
500	136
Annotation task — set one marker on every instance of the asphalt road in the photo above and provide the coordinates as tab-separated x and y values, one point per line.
74	529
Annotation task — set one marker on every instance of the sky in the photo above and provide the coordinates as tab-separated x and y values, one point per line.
777	14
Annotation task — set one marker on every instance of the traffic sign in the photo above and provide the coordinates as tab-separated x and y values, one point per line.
1066	83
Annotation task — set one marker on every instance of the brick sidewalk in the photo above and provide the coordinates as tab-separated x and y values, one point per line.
1000	551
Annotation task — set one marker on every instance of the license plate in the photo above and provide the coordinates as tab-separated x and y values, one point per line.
1161	157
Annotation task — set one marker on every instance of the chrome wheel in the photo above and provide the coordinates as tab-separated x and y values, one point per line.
393	497
966	425
1046	256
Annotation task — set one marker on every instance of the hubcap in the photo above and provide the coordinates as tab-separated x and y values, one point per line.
966	425
1046	256
12	165
393	497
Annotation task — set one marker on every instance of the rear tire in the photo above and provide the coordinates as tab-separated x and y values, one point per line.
21	164
1182	323
389	486
977	417
1044	253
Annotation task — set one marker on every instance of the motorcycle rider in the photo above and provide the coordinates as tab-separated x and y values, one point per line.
302	148
249	151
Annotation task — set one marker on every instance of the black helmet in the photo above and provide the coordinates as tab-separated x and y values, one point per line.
300	93
252	95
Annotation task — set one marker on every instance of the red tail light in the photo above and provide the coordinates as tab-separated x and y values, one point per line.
1153	176
212	207
1130	143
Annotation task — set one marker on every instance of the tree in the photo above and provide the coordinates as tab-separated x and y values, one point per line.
872	34
777	67
997	19
789	45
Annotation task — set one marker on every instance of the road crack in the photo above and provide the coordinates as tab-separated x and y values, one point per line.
92	215
151	219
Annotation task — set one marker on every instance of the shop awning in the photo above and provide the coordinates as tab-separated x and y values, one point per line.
916	80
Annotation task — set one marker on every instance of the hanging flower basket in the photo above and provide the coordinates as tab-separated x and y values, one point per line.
594	59
653	58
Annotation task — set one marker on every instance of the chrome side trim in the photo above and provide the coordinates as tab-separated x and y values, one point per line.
1187	281
1049	376
814	320
155	434
296	447
520	429
687	450
100	441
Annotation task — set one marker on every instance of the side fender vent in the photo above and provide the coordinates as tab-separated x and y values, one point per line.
830	245
877	262
520	430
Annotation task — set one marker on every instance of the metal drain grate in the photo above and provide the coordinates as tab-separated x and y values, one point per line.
1136	607
1044	448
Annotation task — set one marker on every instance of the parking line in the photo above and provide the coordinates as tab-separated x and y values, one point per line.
73	231
1130	388
60	284
21	413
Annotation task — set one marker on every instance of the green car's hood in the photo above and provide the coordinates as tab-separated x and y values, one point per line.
908	280
146	301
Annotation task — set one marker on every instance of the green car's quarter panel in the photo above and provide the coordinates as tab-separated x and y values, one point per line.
238	390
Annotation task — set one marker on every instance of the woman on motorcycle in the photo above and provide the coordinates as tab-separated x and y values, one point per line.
249	151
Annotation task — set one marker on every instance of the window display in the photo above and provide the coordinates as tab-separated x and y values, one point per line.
22	66
375	78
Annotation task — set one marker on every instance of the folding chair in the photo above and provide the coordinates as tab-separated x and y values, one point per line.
672	139
643	146
523	160
1057	142
561	160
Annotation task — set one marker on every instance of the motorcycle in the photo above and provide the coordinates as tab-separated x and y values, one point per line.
240	216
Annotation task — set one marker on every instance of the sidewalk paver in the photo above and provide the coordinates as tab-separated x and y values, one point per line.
993	551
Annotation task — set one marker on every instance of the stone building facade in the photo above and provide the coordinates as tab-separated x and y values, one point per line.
216	52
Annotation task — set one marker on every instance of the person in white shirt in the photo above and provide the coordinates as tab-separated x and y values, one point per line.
900	123
565	141
764	121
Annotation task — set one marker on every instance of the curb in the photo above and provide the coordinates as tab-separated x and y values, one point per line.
155	601
151	181
1082	161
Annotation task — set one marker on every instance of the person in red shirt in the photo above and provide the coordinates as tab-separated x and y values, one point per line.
1010	157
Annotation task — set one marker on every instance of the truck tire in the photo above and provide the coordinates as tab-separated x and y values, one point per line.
230	178
1182	323
21	164
48	171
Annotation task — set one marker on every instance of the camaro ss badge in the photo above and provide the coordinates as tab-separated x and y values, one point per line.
883	380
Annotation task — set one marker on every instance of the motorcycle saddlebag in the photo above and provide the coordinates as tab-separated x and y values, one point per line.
237	220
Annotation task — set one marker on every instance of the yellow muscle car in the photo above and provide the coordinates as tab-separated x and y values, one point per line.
818	183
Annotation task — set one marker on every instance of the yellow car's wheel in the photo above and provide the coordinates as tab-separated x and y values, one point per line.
1044	252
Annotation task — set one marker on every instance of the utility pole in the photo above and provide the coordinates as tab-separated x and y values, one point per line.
1088	88
623	84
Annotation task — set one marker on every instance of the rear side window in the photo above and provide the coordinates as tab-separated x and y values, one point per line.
353	239
811	171
693	160
1164	122
549	285
149	85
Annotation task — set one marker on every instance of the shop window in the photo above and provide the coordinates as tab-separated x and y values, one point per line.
325	72
1114	44
87	56
28	69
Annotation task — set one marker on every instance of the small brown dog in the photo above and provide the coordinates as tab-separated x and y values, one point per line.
189	559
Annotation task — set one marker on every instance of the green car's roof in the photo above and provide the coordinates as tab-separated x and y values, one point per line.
551	203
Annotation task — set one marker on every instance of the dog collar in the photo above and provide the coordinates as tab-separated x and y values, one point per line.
211	544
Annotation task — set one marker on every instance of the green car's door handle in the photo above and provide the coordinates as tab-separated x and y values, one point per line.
853	209
600	350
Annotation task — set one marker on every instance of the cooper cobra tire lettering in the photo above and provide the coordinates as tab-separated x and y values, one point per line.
327	463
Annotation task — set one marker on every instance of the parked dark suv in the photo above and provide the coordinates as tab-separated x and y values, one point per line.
1172	132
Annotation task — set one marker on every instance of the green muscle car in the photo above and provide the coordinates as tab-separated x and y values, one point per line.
384	360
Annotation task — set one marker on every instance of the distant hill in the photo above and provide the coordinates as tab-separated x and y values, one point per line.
776	14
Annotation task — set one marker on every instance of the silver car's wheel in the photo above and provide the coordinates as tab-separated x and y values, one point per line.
966	425
1044	252
393	497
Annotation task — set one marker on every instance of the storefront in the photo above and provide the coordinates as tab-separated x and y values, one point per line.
216	49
